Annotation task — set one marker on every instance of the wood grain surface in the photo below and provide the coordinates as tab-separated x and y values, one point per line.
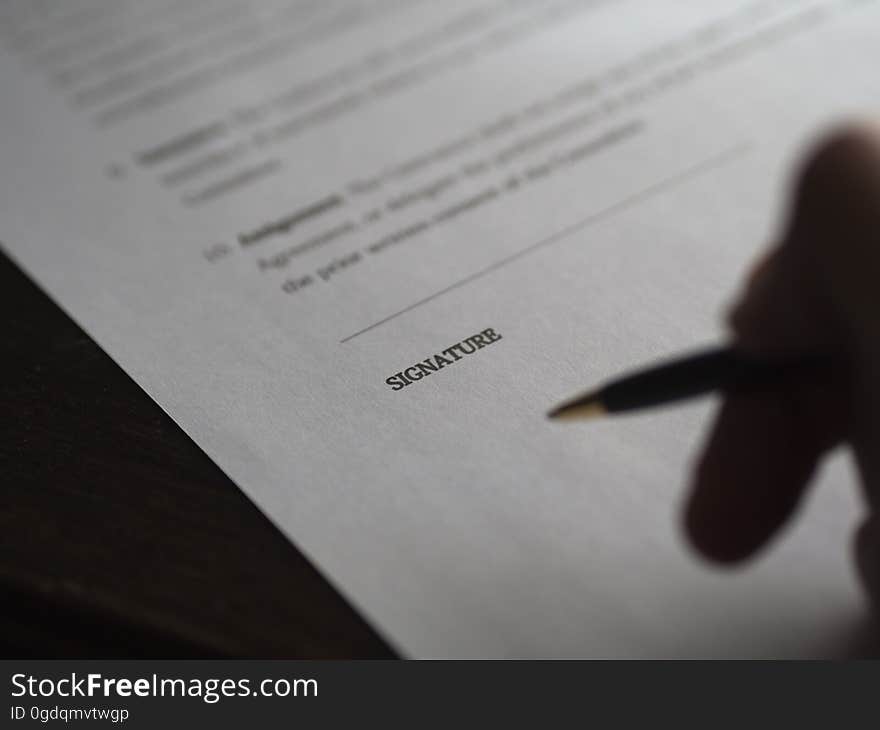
118	535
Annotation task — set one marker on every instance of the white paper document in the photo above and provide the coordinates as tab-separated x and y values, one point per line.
358	249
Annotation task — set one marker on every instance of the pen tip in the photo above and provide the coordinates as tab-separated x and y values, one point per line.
579	410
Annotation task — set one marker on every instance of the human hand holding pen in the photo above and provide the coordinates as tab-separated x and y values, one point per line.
818	289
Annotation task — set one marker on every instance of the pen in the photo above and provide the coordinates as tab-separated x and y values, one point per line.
724	369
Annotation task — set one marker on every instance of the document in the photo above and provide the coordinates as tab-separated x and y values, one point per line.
357	249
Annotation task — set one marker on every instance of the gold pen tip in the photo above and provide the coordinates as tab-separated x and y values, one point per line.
579	410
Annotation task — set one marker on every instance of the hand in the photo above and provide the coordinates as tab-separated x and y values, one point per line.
819	289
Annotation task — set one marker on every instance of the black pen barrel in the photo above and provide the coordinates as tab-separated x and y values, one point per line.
724	368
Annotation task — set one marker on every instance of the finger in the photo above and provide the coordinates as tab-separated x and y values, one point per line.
782	310
867	549
760	455
816	288
823	282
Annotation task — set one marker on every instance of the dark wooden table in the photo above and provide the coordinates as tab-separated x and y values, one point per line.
118	536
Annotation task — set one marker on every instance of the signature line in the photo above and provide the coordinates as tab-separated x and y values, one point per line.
683	176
